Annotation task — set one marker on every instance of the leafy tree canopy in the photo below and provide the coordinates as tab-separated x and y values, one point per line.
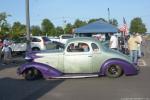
47	27
98	19
137	25
4	26
79	23
36	30
18	29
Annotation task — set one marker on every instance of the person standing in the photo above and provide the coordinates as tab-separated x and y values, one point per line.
133	48
1	46
113	44
139	45
6	51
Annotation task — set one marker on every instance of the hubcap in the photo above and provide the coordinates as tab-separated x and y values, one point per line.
113	70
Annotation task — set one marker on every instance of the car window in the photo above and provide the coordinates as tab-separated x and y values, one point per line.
94	47
19	40
67	37
35	40
78	47
45	39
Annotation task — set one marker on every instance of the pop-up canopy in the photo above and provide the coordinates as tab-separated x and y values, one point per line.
97	27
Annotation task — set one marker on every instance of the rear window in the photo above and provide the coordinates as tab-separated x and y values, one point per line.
20	40
67	37
45	39
35	40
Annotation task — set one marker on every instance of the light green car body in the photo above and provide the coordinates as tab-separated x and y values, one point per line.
80	62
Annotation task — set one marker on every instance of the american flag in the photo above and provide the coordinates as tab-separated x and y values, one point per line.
124	28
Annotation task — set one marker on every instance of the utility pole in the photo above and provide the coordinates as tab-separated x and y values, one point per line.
64	24
108	15
28	26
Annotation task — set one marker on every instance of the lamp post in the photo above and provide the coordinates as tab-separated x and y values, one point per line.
28	26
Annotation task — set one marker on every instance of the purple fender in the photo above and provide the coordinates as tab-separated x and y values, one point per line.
128	68
46	71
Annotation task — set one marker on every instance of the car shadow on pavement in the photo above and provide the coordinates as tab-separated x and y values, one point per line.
19	89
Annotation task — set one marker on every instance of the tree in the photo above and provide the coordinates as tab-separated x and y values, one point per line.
36	30
69	28
59	31
98	19
4	26
79	23
137	26
114	22
47	27
18	29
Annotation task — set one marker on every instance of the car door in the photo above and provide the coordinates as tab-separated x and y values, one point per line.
96	57
76	60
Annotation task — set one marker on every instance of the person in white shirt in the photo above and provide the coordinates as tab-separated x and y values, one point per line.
113	42
7	52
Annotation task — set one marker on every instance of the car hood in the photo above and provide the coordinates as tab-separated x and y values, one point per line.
39	54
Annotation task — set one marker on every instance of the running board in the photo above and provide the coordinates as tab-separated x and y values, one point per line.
75	76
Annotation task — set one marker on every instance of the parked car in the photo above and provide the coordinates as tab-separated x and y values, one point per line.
62	38
75	62
37	43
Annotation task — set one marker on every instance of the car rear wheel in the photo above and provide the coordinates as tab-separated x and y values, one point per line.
32	74
114	71
35	49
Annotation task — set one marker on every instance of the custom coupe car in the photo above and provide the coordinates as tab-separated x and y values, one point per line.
81	57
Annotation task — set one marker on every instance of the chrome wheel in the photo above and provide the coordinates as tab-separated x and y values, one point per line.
114	71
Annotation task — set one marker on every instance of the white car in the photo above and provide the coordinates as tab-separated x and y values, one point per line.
37	43
62	38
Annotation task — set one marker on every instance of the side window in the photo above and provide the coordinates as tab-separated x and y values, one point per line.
78	47
94	47
36	40
23	40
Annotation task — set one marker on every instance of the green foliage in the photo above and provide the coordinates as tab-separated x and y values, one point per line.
137	26
47	27
35	30
69	28
4	26
79	23
59	31
18	29
99	19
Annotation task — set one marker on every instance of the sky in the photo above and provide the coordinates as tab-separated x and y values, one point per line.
59	10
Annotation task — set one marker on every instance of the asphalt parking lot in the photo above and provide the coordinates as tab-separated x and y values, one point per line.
13	87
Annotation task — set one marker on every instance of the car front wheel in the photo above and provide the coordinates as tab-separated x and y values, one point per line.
114	71
32	74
